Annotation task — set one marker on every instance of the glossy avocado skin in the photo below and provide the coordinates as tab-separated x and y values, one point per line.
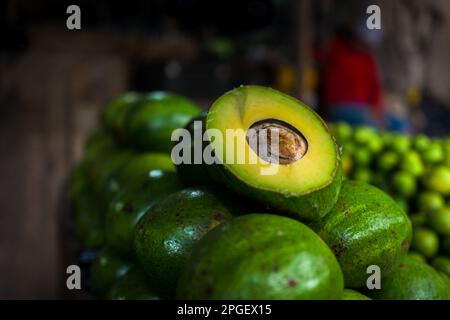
165	236
366	227
350	294
442	264
130	205
134	285
114	114
261	256
149	124
136	168
105	270
88	219
103	168
413	280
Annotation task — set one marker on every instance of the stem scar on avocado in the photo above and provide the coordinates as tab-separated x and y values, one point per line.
292	144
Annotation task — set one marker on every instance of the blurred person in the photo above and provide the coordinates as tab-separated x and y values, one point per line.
350	82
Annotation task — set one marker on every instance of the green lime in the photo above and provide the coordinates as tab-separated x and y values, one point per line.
362	174
342	131
375	145
349	148
433	154
439	180
440	220
404	183
425	241
364	134
430	201
362	156
418	219
387	160
412	163
400	143
421	142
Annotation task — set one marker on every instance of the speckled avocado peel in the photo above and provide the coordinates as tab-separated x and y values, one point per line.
165	236
413	280
261	256
366	227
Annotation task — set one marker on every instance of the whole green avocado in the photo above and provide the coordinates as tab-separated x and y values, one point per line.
132	286
413	280
366	227
149	124
88	217
114	114
105	270
350	294
165	236
136	168
130	205
261	256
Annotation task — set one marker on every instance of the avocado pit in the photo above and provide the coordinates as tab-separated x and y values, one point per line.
292	145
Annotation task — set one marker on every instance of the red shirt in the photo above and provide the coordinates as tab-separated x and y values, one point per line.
350	76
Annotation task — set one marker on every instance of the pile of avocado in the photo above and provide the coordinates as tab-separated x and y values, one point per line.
288	226
415	170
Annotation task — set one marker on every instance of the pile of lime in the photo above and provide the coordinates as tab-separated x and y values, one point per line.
415	171
287	226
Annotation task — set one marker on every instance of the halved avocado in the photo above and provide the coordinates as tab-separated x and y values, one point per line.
149	124
302	178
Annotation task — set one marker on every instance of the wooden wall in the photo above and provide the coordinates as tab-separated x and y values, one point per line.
49	101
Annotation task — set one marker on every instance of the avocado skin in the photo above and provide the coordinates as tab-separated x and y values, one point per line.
130	205
442	264
412	280
192	174
366	227
136	168
165	236
308	207
132	286
149	124
88	220
86	210
105	270
114	114
261	256
350	294
103	169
